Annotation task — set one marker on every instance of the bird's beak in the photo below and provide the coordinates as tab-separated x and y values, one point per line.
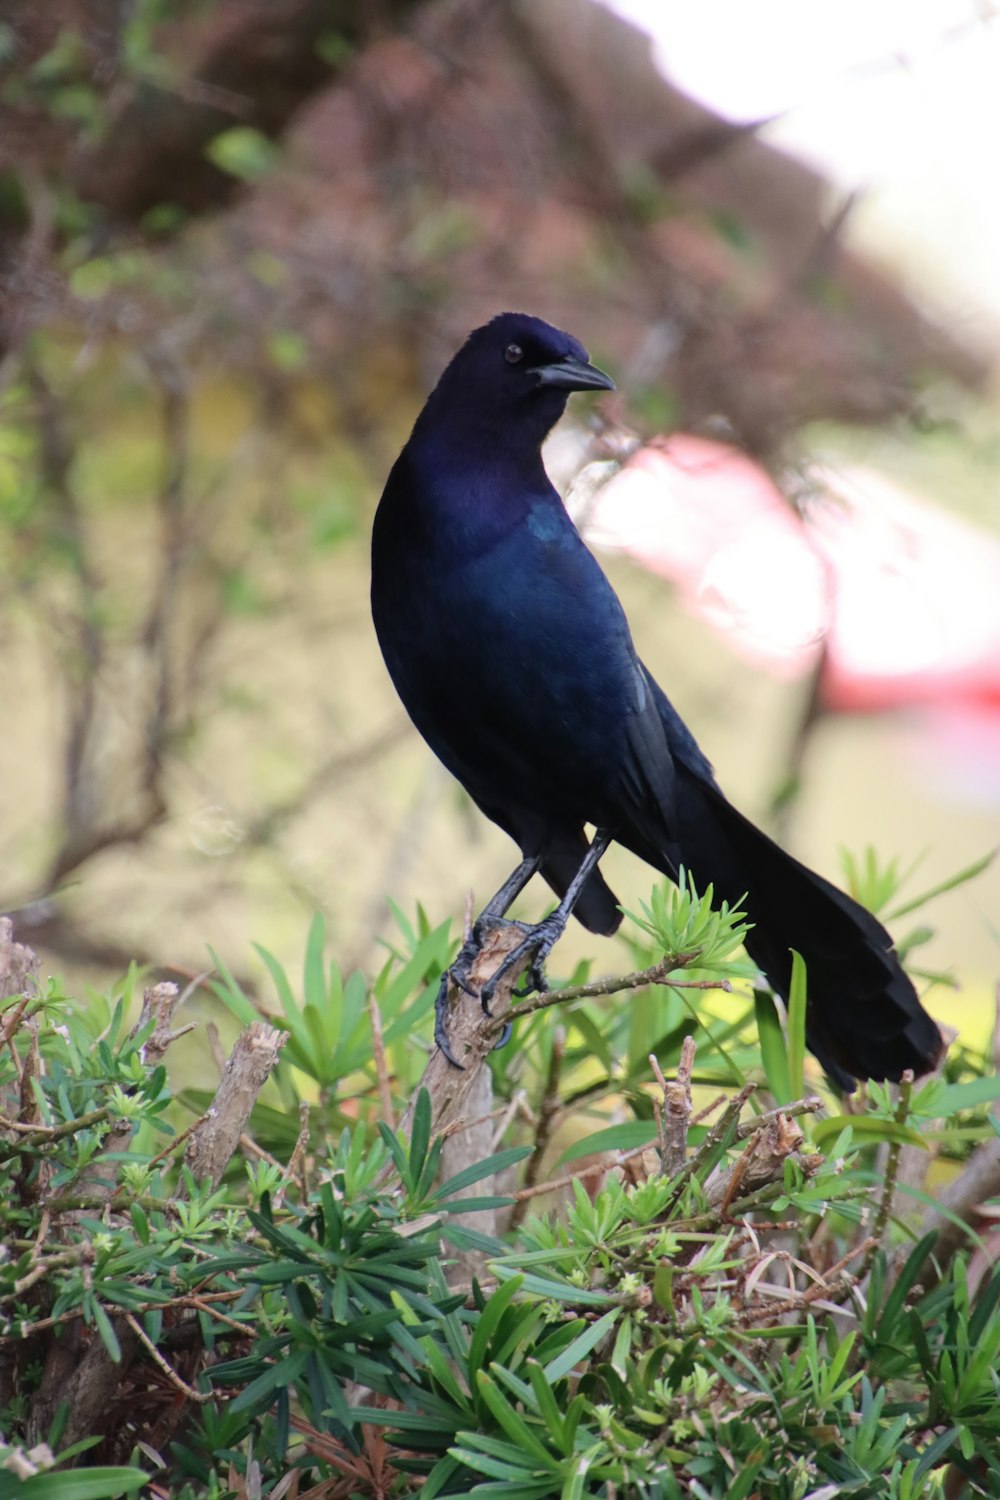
572	374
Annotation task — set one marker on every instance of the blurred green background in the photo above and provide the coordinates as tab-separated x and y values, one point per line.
238	244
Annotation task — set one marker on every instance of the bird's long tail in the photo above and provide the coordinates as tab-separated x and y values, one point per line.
863	1017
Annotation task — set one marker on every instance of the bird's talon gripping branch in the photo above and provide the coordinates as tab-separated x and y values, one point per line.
441	1020
504	1037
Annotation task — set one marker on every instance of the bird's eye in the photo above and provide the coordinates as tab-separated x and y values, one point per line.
513	354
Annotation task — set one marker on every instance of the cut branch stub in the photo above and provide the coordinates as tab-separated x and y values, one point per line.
472	1033
216	1136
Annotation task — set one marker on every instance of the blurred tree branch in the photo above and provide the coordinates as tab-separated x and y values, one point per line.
165	96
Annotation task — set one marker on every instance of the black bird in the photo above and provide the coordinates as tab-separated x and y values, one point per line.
513	657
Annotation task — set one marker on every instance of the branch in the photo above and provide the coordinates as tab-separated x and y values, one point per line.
217	1136
658	974
674	1116
472	1034
263	65
962	1198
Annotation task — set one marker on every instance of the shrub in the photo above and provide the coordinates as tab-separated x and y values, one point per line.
737	1288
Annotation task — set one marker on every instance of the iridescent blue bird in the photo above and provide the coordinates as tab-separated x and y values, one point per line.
513	657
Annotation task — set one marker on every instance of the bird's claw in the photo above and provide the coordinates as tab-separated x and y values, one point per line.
538	941
536	983
457	974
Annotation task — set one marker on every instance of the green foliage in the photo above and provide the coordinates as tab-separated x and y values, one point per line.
38	1476
650	1337
243	152
330	1040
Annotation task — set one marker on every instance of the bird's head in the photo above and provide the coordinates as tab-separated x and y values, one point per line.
514	375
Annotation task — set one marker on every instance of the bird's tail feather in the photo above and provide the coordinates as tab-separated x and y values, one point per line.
863	1016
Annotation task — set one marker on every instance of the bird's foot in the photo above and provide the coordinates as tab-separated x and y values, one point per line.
459	974
539	940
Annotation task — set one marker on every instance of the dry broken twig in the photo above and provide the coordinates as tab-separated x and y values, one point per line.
212	1144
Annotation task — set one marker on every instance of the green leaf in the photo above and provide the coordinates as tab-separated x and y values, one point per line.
108	1336
512	1423
281	1373
582	1345
797	1026
558	1291
969	873
230	993
279	979
773	1048
623	1137
903	1285
314	986
869	1126
955	1096
495	1468
548	1407
480	1169
89	1484
573	1484
489	1320
242	152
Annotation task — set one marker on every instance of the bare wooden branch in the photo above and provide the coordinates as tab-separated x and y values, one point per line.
80	1374
463	1148
761	1162
18	973
158	1005
472	1034
212	1144
659	973
962	1198
677	1108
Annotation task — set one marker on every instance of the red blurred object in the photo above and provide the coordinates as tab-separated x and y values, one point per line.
906	596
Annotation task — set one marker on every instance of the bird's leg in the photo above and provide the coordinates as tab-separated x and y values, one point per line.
542	937
458	973
508	892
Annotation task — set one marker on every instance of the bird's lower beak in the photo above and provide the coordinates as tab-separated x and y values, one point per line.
571	374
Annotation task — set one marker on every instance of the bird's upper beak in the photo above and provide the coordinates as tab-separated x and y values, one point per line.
572	374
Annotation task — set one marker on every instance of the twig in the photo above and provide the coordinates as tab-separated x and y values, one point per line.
158	1005
73	1314
14	1019
809	1106
900	1114
172	1145
74	1257
555	1183
709	1109
715	1136
212	1143
676	1109
204	1306
517	1108
44	1135
297	1158
658	974
215	1046
470	1034
175	1380
864	1248
248	1143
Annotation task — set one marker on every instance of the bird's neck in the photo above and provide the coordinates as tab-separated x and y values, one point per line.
462	496
478	465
